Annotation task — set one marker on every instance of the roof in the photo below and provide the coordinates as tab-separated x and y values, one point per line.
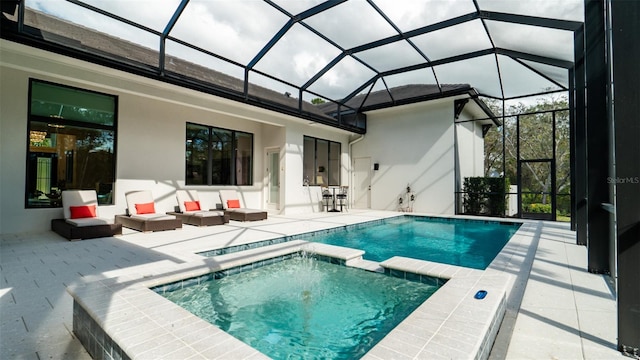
335	50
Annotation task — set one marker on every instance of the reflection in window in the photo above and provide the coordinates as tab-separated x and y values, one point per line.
71	143
217	156
321	162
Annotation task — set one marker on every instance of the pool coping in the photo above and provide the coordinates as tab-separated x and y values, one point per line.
141	324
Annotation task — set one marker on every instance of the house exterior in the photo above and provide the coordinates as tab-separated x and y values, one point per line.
413	144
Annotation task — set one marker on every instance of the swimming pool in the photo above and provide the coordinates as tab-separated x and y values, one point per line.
302	307
468	243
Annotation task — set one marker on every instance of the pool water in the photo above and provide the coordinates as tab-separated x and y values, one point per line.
302	308
459	242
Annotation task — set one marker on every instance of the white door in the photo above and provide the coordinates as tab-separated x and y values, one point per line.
273	179
362	183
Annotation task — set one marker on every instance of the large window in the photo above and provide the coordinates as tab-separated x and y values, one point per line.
321	162
71	141
217	156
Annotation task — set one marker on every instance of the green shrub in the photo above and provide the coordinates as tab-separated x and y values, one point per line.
474	189
485	195
537	208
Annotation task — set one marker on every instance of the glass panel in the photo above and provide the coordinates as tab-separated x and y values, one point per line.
110	37
272	90
558	74
392	56
565	9
563	153
221	152
455	40
322	162
466	72
297	6
237	30
413	14
334	163
197	154
536	136
493	155
302	62
198	65
274	178
563	166
422	76
68	157
518	80
342	79
342	24
551	43
536	187
61	102
511	154
138	11
243	156
309	160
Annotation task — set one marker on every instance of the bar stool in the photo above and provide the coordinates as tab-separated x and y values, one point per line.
327	197
342	197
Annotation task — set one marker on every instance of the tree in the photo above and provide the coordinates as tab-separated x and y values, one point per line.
317	101
536	126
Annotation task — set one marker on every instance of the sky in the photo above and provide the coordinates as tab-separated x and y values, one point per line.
239	29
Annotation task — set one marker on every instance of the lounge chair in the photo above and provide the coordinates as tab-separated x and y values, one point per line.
191	213
233	207
142	215
81	217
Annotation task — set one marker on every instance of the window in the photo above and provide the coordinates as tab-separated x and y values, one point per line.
217	156
71	141
321	160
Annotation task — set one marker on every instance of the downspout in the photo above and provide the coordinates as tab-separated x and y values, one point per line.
350	191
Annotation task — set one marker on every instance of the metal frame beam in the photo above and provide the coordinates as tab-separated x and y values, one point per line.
624	30
598	142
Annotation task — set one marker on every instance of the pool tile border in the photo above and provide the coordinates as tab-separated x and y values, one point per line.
128	320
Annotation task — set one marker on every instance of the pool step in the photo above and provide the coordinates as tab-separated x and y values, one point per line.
367	265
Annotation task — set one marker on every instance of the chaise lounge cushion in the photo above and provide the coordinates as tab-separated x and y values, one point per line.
188	201
140	204
89	221
230	197
81	217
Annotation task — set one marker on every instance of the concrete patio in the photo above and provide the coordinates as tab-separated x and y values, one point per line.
557	310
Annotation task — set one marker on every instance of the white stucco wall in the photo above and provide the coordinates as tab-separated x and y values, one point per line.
150	138
470	159
414	145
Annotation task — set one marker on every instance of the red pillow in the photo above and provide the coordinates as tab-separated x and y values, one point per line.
192	205
233	204
79	212
148	208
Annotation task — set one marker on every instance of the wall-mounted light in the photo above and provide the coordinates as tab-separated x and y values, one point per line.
376	166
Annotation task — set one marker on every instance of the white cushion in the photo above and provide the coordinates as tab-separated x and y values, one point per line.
78	198
246	211
153	217
89	221
226	195
186	195
206	213
138	197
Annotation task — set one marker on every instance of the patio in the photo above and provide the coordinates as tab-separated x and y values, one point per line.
555	310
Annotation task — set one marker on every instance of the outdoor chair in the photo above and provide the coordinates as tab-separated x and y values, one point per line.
327	198
81	217
341	197
190	210
233	207
142	215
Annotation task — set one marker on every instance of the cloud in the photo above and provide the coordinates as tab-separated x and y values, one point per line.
240	29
